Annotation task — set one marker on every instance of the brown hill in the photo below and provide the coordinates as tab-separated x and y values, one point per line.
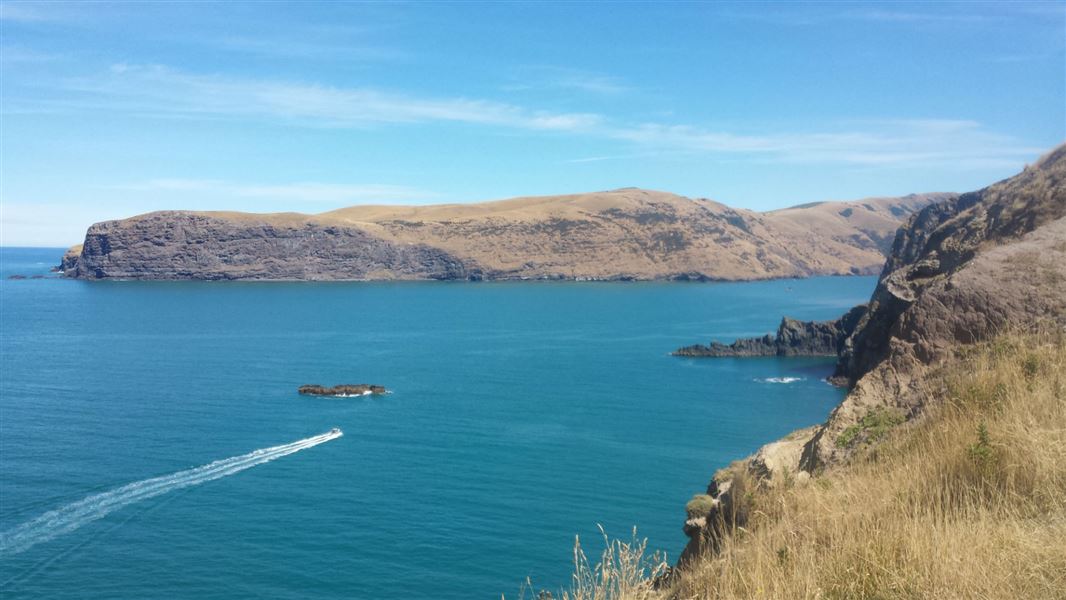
620	234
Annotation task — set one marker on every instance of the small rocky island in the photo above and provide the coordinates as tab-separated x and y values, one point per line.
343	391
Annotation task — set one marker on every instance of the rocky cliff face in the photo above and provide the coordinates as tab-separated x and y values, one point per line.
940	241
621	234
793	338
70	260
181	245
960	272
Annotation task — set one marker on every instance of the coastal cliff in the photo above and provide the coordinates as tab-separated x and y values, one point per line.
627	234
69	262
961	272
183	245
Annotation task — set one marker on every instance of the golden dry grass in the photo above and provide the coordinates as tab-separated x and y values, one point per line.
625	570
628	233
968	501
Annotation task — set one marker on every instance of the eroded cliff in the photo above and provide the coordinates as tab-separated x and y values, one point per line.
961	271
620	234
182	245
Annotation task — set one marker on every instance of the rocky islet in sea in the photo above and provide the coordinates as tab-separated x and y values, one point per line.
343	390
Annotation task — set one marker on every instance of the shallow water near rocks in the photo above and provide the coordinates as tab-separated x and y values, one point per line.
522	414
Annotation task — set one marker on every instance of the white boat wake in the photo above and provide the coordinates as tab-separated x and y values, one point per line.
779	379
72	516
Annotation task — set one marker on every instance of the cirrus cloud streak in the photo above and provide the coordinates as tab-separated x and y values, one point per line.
162	92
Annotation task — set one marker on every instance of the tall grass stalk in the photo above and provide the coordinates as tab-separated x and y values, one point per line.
966	501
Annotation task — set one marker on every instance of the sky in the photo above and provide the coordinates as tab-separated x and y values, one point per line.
113	109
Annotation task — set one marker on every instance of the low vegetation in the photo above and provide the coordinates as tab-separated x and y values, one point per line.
967	501
699	505
872	427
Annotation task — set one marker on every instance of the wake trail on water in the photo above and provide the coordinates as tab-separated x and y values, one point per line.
76	514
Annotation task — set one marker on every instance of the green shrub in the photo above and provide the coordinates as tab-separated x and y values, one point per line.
699	506
848	435
982	453
1031	366
875	424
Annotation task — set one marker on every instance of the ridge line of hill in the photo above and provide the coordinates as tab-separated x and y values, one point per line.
626	234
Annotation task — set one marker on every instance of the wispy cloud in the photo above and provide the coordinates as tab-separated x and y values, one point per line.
55	12
304	48
915	16
565	78
308	191
593	159
158	90
13	54
893	142
902	14
28	12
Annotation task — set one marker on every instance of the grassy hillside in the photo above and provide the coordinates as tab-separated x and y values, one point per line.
646	234
967	501
619	234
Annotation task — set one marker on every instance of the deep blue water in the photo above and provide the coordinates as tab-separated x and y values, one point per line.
522	414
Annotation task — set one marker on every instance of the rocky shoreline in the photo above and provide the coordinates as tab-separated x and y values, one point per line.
960	272
175	245
793	338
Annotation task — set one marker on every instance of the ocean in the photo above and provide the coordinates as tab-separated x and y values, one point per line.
153	445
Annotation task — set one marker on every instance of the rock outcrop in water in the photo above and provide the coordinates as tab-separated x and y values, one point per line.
617	235
342	391
69	261
960	272
793	338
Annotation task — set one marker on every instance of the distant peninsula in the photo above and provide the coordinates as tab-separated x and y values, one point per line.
625	234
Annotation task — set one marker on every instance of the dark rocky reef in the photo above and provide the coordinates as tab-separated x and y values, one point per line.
183	245
358	389
793	338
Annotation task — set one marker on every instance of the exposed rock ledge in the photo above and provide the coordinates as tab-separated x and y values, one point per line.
793	338
342	391
184	245
70	259
960	272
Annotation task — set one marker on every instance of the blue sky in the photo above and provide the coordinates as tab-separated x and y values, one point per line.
114	109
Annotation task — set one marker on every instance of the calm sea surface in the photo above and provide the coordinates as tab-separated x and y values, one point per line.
523	414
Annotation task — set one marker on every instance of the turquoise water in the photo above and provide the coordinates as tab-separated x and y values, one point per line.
522	414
